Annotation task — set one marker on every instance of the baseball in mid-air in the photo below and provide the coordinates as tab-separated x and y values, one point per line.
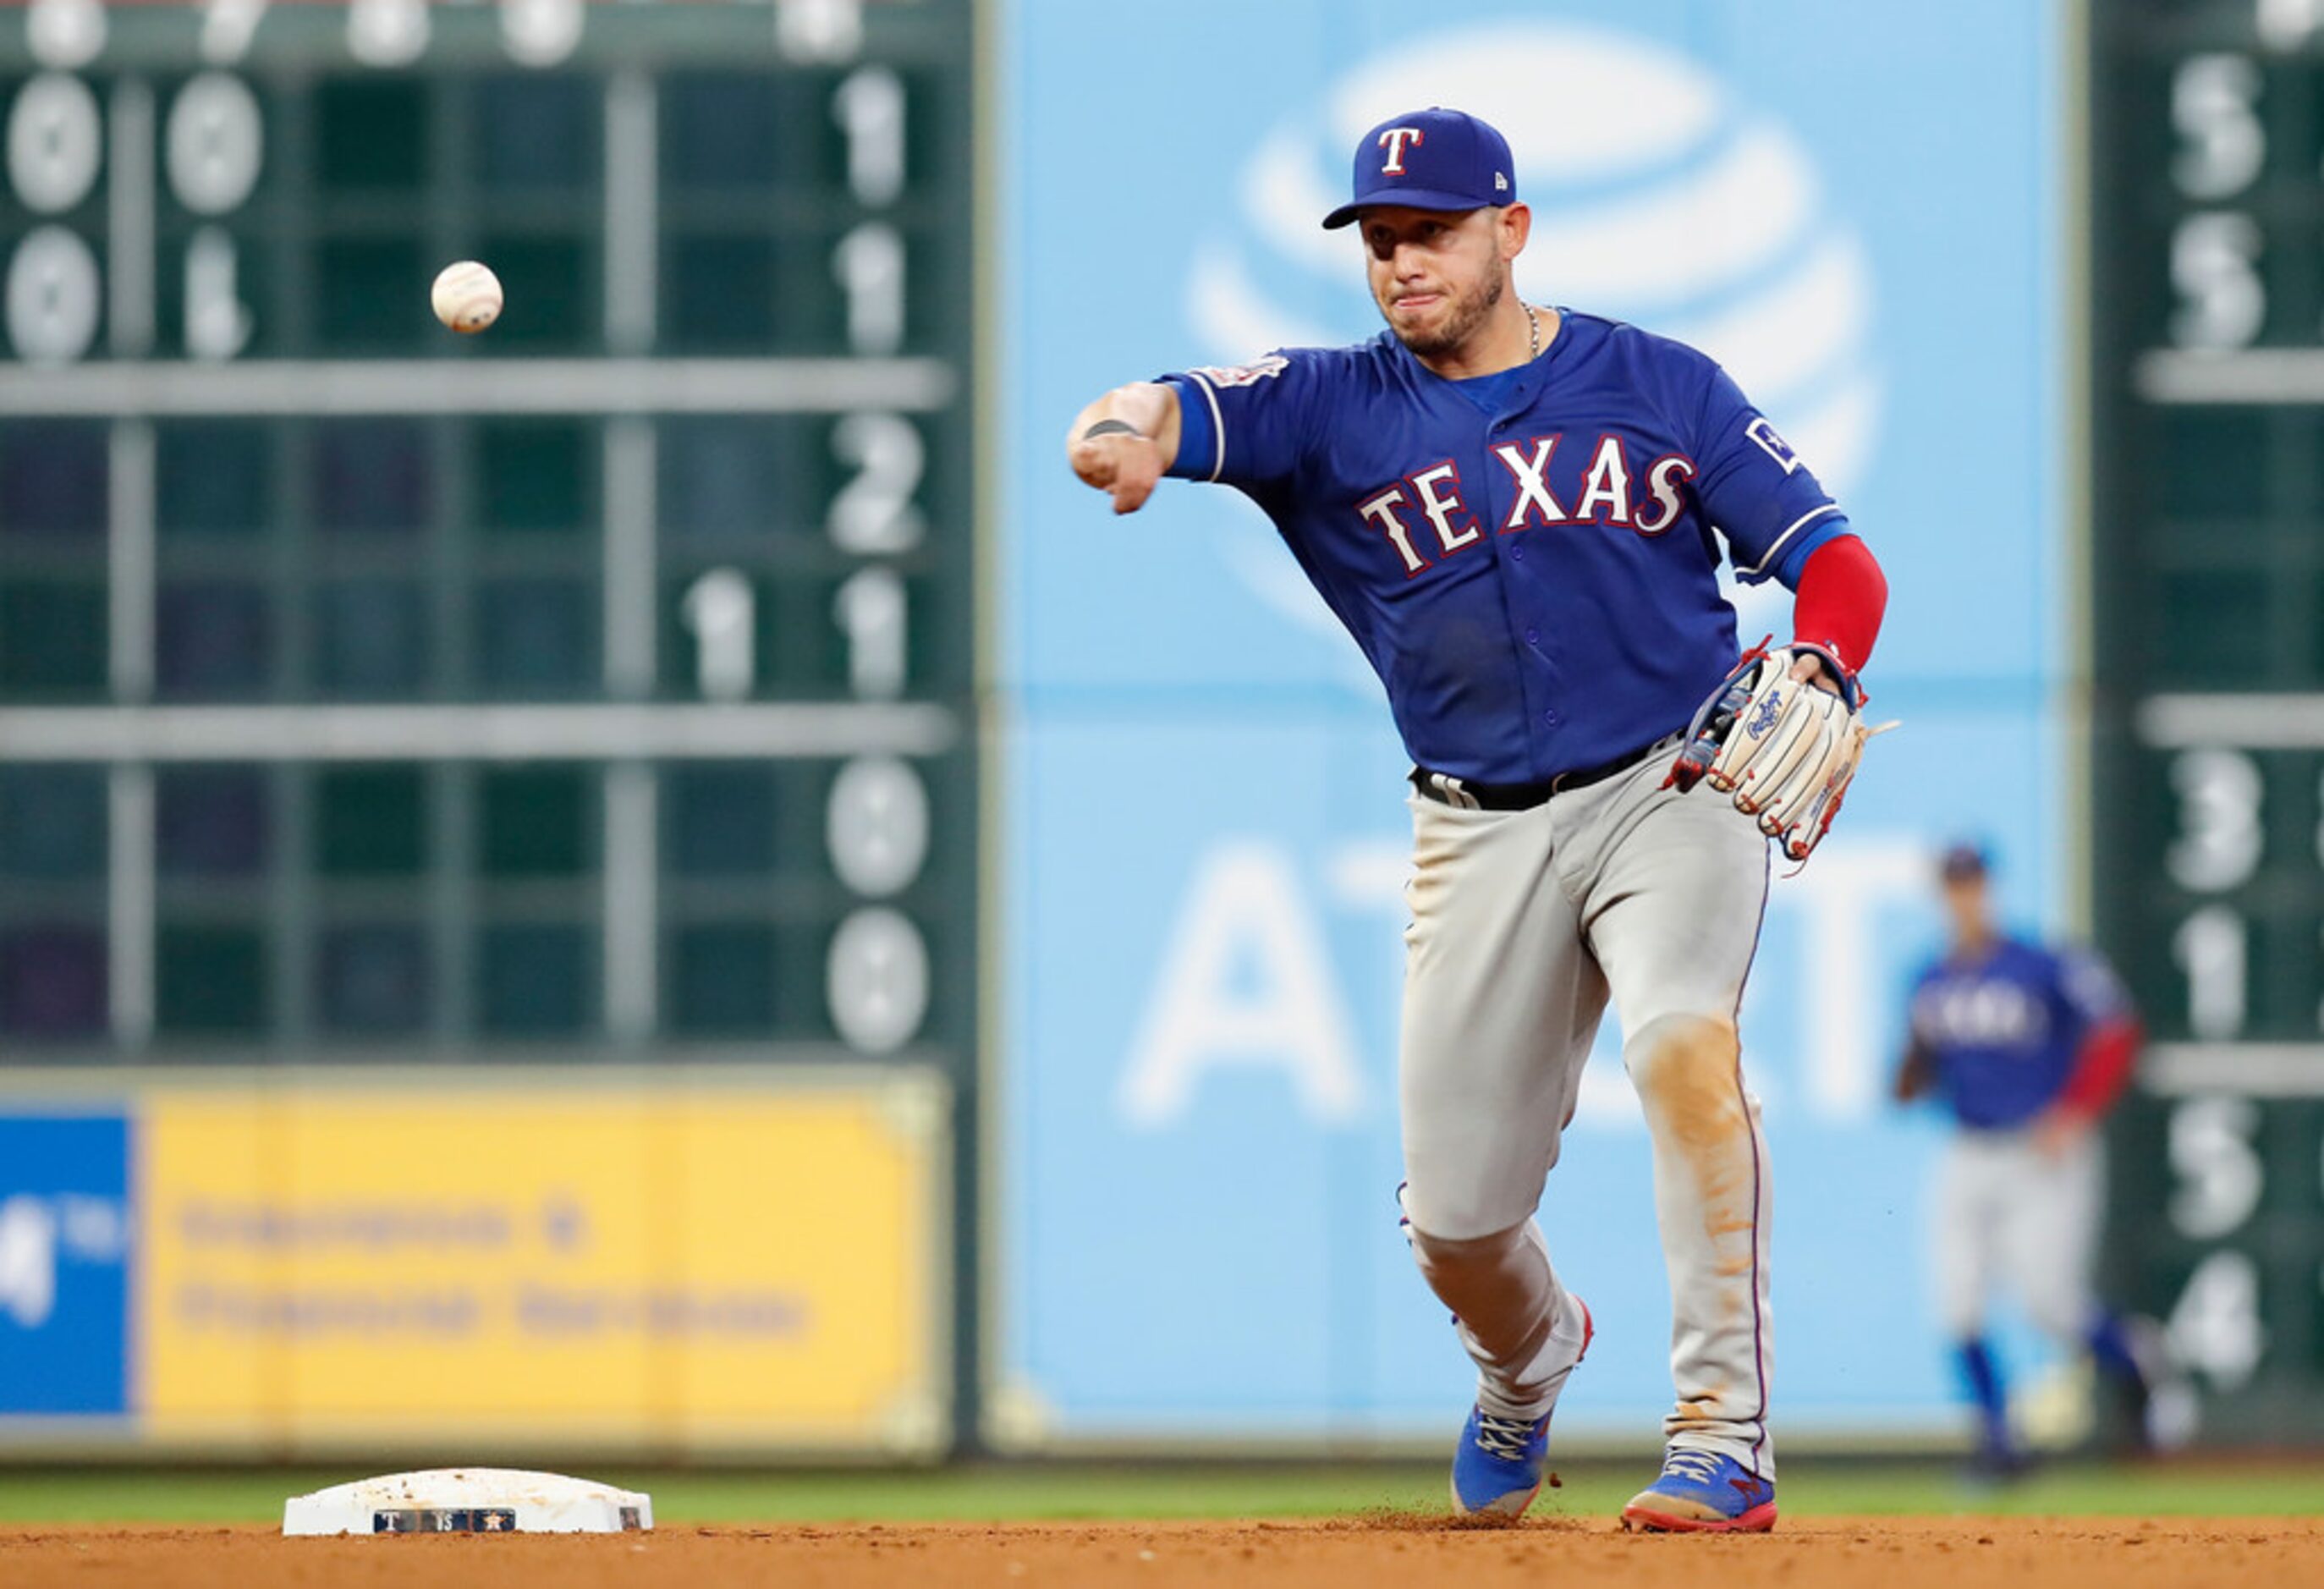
466	296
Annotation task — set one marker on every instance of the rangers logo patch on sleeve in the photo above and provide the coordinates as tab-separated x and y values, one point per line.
1773	445
1249	374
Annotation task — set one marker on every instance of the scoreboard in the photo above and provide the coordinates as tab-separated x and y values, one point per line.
2207	603
598	687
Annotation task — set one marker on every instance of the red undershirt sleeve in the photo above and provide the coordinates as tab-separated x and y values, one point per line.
1840	599
2101	1068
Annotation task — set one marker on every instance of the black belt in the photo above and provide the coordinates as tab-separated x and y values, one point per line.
1469	795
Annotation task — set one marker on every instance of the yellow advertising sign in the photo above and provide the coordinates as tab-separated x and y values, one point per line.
682	1260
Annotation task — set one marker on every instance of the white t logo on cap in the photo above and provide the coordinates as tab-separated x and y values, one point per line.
1394	141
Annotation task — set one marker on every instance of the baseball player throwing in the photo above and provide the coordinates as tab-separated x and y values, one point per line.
1518	512
2026	1047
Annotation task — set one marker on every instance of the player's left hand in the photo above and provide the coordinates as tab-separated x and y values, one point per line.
1783	735
1811	669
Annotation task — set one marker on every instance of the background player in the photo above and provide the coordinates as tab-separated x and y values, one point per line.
1517	512
2026	1047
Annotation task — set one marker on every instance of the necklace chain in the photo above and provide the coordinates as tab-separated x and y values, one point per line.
1533	335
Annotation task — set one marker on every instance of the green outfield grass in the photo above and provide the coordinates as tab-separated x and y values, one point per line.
1046	1492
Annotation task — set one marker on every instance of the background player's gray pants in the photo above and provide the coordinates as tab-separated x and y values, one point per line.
2006	1208
1522	923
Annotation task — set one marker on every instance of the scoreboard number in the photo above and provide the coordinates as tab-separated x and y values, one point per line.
55	144
2215	266
723	611
2216	1329
2217	846
53	297
877	826
869	264
879	980
215	143
869	607
873	514
868	107
2223	144
2221	1176
2211	946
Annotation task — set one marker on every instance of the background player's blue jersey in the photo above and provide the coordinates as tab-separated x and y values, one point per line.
1529	560
2004	1027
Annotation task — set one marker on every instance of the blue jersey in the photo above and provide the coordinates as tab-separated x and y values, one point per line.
2004	1028
1530	560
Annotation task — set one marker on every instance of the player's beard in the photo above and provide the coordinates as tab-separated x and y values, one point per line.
1468	317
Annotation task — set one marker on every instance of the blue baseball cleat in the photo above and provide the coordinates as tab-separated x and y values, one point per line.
1703	1493
1498	1466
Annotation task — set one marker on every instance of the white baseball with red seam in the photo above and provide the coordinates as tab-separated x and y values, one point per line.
466	296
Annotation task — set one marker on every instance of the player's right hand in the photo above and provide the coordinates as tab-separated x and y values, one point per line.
1126	468
1137	437
2059	1130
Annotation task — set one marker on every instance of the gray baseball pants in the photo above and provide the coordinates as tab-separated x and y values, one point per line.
1523	924
2006	1209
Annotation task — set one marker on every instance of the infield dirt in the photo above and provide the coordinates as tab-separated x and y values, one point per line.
1815	1553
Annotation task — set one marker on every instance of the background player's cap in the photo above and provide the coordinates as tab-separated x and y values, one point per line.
1962	861
1433	159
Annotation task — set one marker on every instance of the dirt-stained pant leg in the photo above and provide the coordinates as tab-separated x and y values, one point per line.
1672	887
1501	1001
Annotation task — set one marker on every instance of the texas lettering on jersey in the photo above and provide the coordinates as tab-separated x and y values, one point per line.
1601	496
1529	560
1975	1012
2005	1028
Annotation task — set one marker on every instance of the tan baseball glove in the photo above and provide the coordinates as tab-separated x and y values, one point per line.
1785	747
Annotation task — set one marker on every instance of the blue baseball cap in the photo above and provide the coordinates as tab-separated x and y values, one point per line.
1433	159
1963	860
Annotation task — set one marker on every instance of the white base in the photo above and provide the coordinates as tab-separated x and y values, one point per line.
468	1501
